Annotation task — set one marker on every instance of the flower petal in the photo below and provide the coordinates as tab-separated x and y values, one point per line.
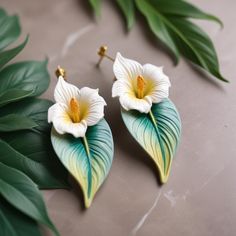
65	91
95	105
160	82
121	87
132	103
126	69
57	114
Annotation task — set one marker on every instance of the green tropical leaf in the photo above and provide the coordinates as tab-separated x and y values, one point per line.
22	193
13	122
13	95
9	29
158	26
96	5
29	76
196	46
14	223
157	132
89	159
37	171
36	146
6	56
180	35
183	9
127	7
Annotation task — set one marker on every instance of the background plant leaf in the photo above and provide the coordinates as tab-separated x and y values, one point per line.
35	151
13	122
96	5
158	134
127	7
169	20
22	193
6	56
13	95
28	75
9	29
88	160
37	171
15	223
183	9
30	134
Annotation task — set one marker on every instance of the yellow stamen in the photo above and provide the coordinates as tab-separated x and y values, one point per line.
74	111
140	86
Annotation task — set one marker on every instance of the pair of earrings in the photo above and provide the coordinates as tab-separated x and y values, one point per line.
82	138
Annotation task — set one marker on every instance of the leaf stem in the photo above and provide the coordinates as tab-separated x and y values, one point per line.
86	145
154	121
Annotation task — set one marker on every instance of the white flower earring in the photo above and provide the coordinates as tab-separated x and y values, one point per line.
148	113
80	136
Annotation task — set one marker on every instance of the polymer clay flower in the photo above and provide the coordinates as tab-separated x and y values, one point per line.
75	108
137	86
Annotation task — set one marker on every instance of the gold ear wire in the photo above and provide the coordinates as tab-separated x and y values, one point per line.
102	53
60	72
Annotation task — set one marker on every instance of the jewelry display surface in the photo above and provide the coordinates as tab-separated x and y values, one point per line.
199	197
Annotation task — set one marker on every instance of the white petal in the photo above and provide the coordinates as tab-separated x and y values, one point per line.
65	91
57	114
121	87
95	105
160	81
132	103
126	69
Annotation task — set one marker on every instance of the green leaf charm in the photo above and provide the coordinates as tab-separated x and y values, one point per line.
157	132
88	159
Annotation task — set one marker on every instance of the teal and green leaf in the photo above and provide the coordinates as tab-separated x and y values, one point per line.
88	159
22	193
157	132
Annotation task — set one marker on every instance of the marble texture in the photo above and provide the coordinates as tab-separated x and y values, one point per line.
200	196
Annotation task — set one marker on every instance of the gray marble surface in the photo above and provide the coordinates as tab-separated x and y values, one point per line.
200	196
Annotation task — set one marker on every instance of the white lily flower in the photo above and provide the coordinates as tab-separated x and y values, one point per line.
75	109
137	86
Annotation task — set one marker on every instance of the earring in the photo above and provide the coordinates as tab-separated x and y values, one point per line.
80	136
148	113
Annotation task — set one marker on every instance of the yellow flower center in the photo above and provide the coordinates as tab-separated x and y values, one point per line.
140	86
74	111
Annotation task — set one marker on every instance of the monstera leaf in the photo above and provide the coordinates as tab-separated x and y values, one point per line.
88	159
157	132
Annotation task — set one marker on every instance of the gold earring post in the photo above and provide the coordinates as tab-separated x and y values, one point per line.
60	72
102	53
